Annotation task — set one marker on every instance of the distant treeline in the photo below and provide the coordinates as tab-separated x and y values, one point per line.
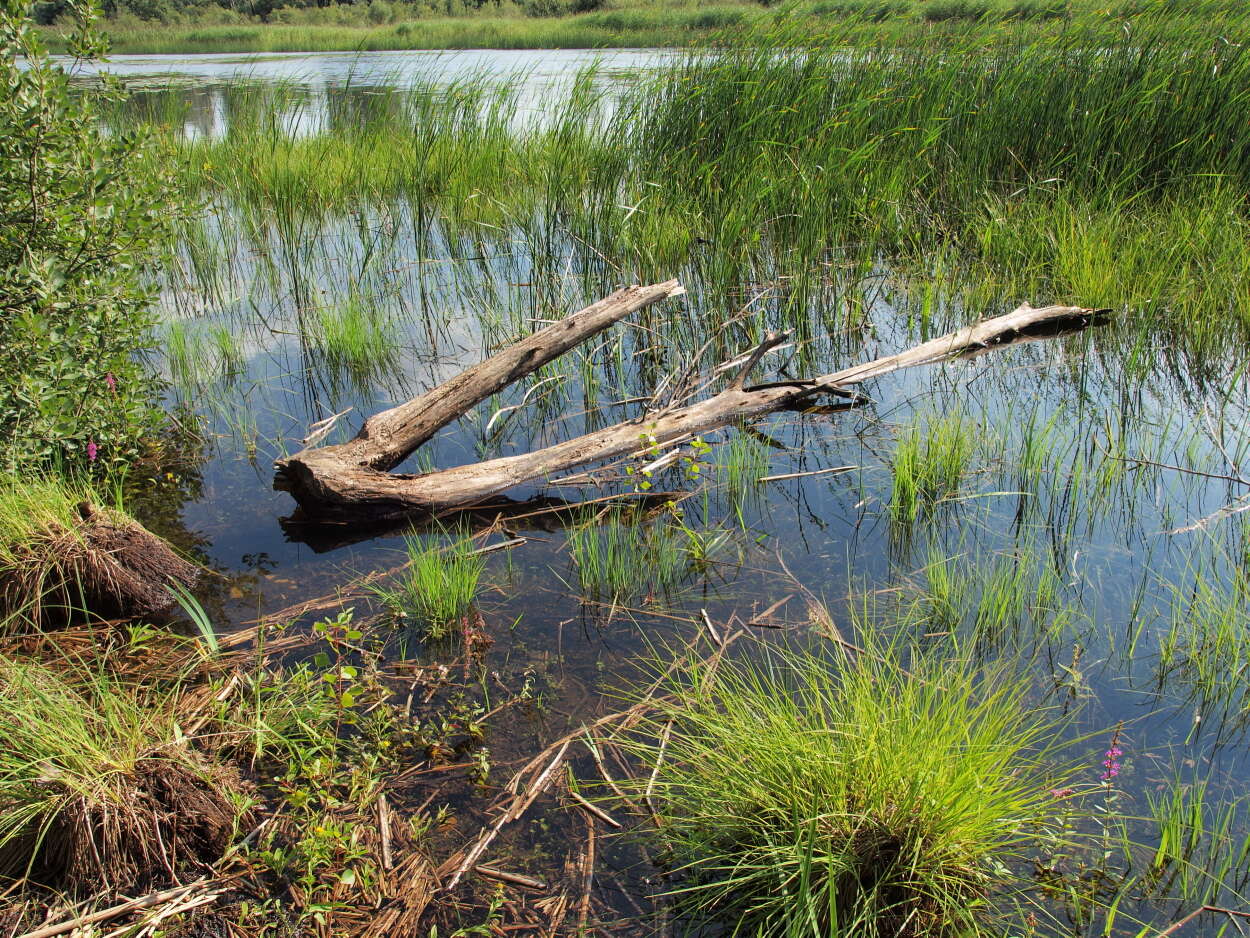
724	12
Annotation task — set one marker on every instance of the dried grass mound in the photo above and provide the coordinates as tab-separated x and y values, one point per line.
97	790
60	554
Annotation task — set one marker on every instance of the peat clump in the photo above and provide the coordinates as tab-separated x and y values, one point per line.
162	818
99	788
64	559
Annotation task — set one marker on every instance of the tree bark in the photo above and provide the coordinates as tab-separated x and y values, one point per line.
342	481
388	438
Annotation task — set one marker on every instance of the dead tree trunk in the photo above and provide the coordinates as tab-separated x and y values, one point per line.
349	480
388	438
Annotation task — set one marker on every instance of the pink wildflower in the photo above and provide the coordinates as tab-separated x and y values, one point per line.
111	381
1110	763
92	450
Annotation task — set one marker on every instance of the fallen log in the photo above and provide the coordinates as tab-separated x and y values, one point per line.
388	438
348	480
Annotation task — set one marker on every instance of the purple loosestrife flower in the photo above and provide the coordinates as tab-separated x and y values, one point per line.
111	381
92	450
1110	763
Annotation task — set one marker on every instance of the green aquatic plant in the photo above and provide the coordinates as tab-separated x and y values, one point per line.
354	336
883	794
1201	844
741	461
929	463
618	558
1206	646
438	586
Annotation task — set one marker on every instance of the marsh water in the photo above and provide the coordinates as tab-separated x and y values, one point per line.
1087	538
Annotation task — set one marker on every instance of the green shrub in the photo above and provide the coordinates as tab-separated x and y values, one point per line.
846	798
79	221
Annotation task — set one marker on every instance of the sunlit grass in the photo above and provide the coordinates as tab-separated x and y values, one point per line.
930	461
437	588
885	795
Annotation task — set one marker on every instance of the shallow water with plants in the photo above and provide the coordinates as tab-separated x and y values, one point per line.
1038	555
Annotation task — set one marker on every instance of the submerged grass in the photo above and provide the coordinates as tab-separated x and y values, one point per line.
879	796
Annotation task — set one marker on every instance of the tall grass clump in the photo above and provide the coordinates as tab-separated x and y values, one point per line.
438	586
98	789
929	463
39	534
803	795
621	558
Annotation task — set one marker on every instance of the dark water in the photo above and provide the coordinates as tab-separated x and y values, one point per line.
1086	520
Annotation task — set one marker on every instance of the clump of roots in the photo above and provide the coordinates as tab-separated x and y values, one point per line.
163	819
95	560
98	789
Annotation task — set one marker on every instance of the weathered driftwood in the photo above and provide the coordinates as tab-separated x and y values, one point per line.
349	480
388	438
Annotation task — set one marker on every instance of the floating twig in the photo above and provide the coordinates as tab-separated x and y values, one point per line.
517	879
835	470
594	809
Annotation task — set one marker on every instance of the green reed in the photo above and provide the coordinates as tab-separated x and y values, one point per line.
617	559
1201	845
929	463
885	795
437	588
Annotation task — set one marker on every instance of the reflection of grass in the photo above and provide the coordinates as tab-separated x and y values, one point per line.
804	796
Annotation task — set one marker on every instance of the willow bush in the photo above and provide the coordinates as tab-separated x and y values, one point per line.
79	223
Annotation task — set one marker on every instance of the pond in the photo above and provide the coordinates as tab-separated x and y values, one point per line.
1086	526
